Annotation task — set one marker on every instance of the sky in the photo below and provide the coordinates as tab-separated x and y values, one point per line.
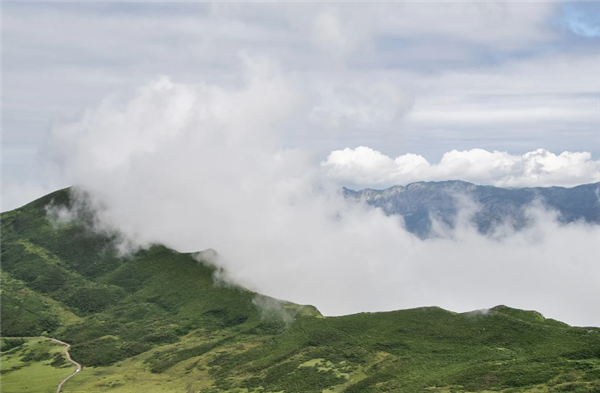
233	126
397	78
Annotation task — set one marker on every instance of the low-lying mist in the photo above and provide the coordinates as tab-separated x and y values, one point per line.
201	166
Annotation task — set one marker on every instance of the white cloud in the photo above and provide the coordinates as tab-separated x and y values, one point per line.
200	166
365	167
196	161
361	104
501	25
476	72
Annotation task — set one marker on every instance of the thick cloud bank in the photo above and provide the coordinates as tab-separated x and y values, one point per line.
366	167
201	166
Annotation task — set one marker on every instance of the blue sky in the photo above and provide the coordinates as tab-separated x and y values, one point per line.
581	18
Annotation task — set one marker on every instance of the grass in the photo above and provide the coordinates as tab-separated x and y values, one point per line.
155	321
37	366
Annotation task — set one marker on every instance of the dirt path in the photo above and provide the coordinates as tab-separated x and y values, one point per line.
66	351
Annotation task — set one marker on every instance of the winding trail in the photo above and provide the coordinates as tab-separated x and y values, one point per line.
66	352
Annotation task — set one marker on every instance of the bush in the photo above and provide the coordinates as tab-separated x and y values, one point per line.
58	360
93	300
52	280
323	337
100	352
9	343
36	356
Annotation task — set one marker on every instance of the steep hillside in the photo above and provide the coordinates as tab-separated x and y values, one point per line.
418	202
157	321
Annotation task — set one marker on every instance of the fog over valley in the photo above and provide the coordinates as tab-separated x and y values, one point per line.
200	166
261	131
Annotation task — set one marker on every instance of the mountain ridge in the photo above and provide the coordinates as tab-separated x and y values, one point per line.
157	320
421	203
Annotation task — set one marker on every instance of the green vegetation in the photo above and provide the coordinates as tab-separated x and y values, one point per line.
34	365
156	321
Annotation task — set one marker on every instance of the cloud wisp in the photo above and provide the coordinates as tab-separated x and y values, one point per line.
202	166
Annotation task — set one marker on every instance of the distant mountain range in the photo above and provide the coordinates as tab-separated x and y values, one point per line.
419	202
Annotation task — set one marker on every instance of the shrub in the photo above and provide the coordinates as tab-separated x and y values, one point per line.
93	300
9	343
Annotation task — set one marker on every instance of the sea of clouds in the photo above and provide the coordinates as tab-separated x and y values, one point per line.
198	166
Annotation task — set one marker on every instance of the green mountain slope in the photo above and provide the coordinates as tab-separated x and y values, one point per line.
156	320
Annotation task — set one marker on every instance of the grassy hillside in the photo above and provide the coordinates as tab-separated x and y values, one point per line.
33	365
156	321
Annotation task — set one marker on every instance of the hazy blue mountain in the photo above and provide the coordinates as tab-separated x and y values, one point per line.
419	202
